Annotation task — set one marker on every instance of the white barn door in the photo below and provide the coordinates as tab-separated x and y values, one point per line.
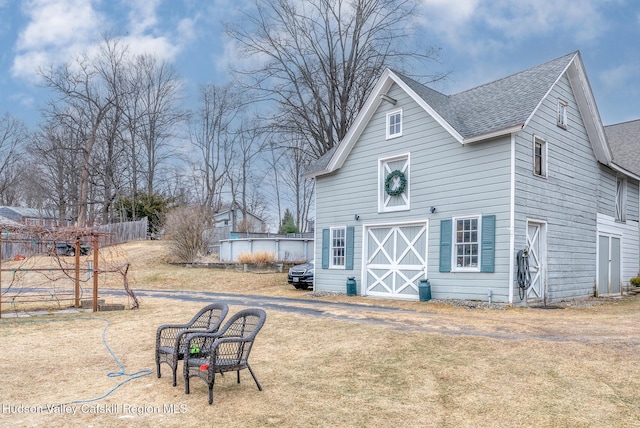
396	259
537	245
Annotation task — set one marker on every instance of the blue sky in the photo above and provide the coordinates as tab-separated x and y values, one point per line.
480	41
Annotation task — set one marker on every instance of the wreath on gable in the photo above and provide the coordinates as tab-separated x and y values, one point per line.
395	183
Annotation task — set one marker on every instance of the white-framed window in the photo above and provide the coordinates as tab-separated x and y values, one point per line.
394	124
338	248
539	157
562	113
621	199
394	183
466	243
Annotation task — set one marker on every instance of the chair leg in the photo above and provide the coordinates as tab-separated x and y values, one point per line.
186	384
254	377
175	368
213	381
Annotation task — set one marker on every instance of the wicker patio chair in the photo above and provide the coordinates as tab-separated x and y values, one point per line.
225	351
170	338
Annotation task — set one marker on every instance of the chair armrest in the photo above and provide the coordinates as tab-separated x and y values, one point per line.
172	326
228	351
201	341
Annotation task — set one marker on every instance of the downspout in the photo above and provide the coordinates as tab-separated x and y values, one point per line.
512	221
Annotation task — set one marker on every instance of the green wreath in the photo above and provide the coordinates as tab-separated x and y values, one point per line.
389	181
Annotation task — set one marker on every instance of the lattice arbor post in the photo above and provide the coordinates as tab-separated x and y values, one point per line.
95	273
0	276
77	271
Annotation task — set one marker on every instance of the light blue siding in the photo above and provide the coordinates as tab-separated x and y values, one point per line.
575	200
564	199
458	180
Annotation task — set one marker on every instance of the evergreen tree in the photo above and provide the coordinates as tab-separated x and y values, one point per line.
288	223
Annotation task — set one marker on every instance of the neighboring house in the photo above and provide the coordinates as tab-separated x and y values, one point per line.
4	221
232	220
29	216
452	188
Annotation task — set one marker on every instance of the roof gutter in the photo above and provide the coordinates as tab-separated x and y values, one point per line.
494	134
624	171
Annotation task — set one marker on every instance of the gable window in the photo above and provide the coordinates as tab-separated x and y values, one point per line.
621	196
539	157
562	113
394	124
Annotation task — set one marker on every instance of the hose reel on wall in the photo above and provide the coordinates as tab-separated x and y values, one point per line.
524	276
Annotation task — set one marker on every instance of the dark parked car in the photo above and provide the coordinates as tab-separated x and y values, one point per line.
301	276
68	249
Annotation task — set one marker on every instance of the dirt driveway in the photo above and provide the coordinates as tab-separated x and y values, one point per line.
612	320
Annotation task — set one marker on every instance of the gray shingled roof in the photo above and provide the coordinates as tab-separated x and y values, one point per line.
497	105
322	162
494	106
624	141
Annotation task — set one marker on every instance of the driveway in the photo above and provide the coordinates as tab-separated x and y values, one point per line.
602	321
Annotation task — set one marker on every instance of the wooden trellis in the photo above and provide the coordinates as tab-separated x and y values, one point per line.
30	241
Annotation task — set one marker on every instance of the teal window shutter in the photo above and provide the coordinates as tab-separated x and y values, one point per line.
445	245
488	244
349	248
326	244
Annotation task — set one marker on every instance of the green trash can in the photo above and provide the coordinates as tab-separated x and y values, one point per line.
424	290
351	286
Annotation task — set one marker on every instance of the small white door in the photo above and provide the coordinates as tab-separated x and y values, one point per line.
537	245
609	265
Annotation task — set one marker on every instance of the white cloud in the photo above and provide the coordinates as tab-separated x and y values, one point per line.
56	23
619	77
159	46
142	16
56	31
506	22
59	30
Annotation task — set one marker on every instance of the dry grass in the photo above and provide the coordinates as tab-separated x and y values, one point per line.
259	258
427	365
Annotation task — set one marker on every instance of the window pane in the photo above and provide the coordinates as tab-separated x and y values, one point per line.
467	247
338	247
539	158
395	123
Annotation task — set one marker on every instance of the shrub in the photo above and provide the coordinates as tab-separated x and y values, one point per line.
259	258
185	227
635	281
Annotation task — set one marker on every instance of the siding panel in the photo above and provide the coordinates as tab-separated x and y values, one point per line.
456	179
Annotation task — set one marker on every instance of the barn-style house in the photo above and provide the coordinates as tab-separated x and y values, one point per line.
511	192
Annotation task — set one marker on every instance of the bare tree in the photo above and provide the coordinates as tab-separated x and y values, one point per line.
84	99
54	155
124	110
248	148
159	92
289	170
213	134
13	134
319	59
